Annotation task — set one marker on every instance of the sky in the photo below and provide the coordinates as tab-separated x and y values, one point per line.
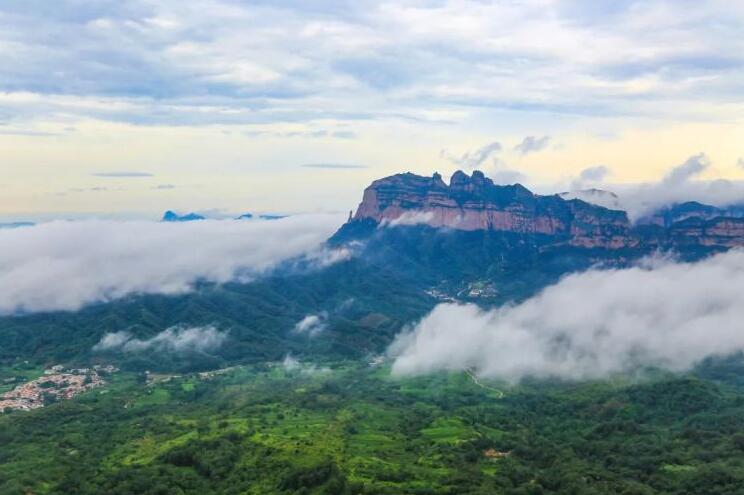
125	108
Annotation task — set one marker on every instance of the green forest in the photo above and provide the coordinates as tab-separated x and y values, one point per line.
351	428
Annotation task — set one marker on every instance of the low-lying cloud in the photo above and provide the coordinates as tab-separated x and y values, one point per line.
175	340
312	325
294	365
66	265
409	218
590	325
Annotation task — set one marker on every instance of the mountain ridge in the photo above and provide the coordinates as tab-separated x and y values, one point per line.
474	203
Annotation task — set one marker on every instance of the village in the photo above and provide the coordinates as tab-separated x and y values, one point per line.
57	383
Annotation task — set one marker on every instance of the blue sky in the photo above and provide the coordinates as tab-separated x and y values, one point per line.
221	101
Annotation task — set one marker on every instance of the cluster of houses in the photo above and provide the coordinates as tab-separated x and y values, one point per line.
55	384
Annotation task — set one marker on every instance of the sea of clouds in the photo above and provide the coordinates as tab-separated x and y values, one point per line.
65	265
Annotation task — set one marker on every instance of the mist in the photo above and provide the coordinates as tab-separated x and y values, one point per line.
590	325
175	340
66	265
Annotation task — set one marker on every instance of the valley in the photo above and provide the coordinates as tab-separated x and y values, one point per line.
286	383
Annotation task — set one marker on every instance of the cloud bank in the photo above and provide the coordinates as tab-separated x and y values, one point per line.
590	325
66	265
175	340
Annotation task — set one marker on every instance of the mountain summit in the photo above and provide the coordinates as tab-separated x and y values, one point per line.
475	203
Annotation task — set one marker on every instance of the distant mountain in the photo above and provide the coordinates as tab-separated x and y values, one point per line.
669	215
15	225
171	216
475	203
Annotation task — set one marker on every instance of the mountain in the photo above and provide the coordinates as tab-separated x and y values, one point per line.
669	215
415	241
171	216
475	203
15	225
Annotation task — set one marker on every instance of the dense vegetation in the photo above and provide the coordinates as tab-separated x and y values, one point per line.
354	429
263	429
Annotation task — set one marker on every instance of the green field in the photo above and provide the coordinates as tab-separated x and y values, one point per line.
353	429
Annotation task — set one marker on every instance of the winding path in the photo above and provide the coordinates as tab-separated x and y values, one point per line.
472	376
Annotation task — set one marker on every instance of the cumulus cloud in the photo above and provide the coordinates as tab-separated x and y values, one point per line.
475	158
312	325
66	265
175	339
692	167
590	325
531	144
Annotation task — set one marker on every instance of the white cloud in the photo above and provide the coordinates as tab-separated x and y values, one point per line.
680	184
66	265
531	144
292	61
589	177
312	325
590	325
176	339
475	158
595	173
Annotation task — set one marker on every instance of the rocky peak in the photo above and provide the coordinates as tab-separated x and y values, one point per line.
475	203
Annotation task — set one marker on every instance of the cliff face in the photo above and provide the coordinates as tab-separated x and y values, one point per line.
476	203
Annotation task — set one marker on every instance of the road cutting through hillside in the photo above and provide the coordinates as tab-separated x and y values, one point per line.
472	376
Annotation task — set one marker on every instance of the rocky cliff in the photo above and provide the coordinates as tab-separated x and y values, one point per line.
474	202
